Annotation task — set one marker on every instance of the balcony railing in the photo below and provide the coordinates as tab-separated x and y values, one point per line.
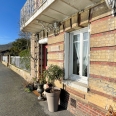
29	9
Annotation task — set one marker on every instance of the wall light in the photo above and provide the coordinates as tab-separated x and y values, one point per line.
50	26
56	28
111	5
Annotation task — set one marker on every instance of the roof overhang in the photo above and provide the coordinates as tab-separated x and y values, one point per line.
56	10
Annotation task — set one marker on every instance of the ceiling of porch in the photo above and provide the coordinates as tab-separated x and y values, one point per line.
59	10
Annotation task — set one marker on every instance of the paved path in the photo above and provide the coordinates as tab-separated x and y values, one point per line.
14	101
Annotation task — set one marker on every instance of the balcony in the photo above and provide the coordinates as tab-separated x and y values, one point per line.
28	10
36	11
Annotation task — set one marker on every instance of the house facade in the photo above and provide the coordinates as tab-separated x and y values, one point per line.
79	36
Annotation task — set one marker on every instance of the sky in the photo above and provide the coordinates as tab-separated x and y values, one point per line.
9	20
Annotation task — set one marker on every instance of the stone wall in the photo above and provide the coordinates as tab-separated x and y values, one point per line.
24	74
34	56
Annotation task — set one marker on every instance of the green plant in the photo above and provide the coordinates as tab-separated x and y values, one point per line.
27	90
25	59
34	79
19	45
42	79
28	87
54	72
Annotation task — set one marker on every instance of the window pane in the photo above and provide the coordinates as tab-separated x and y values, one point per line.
85	36
76	54
85	54
76	38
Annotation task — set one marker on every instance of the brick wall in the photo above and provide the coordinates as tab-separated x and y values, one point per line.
102	62
102	79
78	103
102	87
56	49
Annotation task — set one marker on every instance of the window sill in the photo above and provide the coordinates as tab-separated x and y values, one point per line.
77	85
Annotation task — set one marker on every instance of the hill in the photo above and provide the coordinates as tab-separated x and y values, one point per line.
5	46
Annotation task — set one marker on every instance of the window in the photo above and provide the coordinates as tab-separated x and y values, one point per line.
77	55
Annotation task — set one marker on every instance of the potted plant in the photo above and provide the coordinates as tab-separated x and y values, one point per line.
35	83
40	89
53	73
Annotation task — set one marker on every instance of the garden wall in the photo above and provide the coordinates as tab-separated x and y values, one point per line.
26	75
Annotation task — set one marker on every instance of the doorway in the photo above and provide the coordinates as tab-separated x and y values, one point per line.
44	49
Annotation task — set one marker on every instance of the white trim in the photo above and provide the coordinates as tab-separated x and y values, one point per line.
81	55
88	53
80	77
66	55
70	55
81	30
76	85
72	80
43	41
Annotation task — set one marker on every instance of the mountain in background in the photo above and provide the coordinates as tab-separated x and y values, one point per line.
5	46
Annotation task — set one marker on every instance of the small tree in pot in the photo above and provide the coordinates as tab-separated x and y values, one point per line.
53	73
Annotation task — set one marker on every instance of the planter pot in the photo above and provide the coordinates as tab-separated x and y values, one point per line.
35	85
53	99
46	86
31	87
40	90
50	85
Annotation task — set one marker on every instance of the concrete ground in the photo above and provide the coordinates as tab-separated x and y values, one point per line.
14	101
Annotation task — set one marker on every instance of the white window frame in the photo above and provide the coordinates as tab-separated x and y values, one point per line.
68	65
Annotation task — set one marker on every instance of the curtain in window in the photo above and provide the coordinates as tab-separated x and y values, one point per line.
76	54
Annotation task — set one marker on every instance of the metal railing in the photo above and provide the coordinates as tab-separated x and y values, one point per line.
5	59
16	61
29	9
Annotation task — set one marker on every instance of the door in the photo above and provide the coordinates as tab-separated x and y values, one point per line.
44	56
